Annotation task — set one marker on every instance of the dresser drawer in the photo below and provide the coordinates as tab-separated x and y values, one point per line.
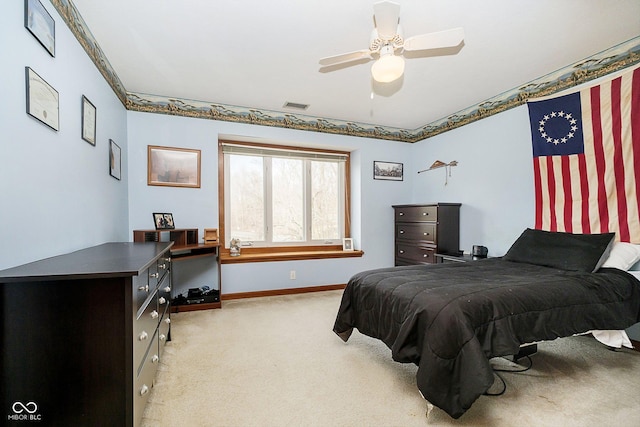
164	292
416	213
416	231
419	254
164	329
144	380
141	292
163	267
144	328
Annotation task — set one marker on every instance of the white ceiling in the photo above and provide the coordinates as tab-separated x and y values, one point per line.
256	54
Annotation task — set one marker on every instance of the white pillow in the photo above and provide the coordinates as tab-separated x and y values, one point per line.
623	256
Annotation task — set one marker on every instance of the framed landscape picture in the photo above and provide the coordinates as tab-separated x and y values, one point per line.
388	171
173	167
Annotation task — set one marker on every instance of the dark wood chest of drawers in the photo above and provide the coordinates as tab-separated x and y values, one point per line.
421	231
84	334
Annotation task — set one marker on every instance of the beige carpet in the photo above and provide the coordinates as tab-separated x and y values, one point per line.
275	361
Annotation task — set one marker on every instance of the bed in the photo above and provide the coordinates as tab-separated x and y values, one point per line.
450	319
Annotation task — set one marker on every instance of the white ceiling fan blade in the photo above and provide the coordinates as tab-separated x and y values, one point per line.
386	14
440	39
346	57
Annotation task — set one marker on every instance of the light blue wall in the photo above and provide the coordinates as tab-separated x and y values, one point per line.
493	179
372	215
56	192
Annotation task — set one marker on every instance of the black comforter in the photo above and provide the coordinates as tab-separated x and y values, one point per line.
450	319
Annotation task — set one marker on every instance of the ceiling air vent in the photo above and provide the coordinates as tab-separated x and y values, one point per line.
296	105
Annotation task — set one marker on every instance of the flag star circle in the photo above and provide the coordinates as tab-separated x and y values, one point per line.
558	115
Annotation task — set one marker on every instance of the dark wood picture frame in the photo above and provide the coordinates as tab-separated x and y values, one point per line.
39	23
390	171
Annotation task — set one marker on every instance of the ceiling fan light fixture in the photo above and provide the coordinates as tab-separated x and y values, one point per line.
388	68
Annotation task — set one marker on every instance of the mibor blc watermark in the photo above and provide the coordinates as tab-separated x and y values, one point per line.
24	412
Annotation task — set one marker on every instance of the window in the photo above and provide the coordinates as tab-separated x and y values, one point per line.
284	196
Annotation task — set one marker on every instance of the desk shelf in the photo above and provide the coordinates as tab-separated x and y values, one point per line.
186	246
186	243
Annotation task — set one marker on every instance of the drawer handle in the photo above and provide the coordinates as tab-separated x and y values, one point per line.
167	289
167	260
143	336
155	358
401	252
154	314
401	214
144	288
425	256
144	390
425	213
163	266
155	275
426	234
401	231
163	337
161	300
167	320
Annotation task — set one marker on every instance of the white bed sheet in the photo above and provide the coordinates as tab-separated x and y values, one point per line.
615	339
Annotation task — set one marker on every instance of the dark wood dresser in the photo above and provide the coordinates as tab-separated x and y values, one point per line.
83	334
421	231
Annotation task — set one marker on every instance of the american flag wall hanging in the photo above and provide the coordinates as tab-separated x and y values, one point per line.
586	159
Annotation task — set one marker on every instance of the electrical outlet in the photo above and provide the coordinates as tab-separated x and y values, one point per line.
292	275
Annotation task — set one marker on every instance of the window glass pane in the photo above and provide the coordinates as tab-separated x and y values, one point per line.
325	200
287	200
246	198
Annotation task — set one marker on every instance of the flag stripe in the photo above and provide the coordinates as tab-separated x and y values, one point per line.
567	197
600	222
537	188
635	145
553	225
584	187
618	159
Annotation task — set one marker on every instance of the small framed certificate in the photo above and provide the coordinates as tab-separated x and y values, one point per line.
42	100
88	121
114	160
39	23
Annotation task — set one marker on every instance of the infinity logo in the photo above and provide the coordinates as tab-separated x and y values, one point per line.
19	407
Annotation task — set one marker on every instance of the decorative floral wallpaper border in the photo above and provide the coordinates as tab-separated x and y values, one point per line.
611	60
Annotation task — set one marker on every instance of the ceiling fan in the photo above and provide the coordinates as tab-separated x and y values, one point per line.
387	44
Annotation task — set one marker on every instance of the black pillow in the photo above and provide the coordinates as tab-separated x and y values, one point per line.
566	251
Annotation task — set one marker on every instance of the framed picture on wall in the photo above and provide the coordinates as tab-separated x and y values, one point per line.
114	160
88	121
173	167
42	100
388	171
39	23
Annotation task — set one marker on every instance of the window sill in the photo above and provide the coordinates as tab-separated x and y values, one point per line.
225	258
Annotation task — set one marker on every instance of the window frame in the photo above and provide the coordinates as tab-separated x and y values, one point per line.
282	251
